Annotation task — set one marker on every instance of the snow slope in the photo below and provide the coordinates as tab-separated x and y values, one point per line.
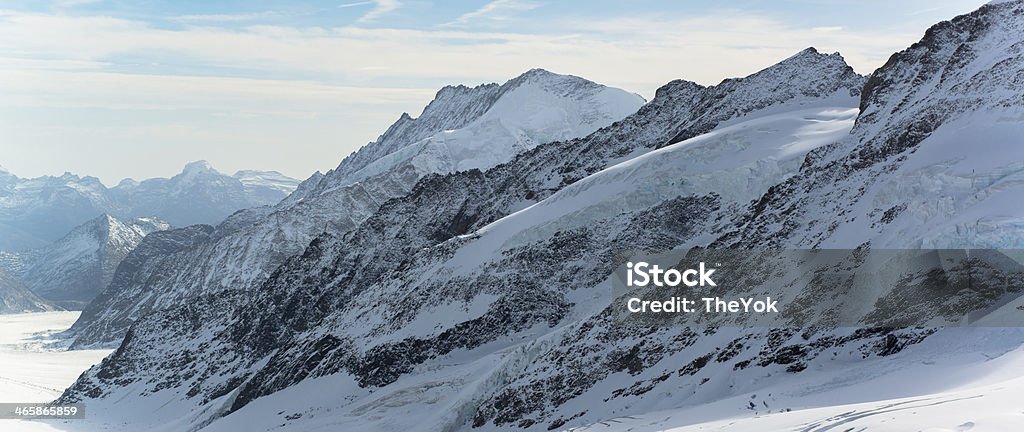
736	161
958	380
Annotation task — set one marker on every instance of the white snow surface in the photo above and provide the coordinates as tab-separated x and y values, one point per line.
738	161
962	379
34	371
267	179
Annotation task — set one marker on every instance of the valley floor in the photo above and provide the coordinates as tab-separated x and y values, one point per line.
32	372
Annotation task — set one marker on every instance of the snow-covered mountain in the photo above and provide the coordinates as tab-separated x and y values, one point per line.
35	212
16	298
321	300
461	129
266	186
934	160
482	299
72	270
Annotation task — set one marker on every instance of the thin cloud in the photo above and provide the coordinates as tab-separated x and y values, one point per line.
224	17
638	53
382	7
497	10
73	3
348	5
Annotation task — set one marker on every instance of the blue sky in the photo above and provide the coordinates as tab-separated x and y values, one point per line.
118	88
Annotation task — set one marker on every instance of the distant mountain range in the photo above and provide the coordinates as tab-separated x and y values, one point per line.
35	212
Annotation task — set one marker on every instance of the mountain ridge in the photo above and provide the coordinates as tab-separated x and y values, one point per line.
239	255
295	324
37	211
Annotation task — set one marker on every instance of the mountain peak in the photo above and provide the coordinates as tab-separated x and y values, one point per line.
546	79
127	182
809	51
953	52
807	73
103	222
199	165
538	72
677	86
811	57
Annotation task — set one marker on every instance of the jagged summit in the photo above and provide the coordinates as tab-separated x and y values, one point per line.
538	72
808	72
943	53
677	86
538	75
568	106
806	52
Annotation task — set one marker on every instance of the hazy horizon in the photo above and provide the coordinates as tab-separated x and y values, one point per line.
116	91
